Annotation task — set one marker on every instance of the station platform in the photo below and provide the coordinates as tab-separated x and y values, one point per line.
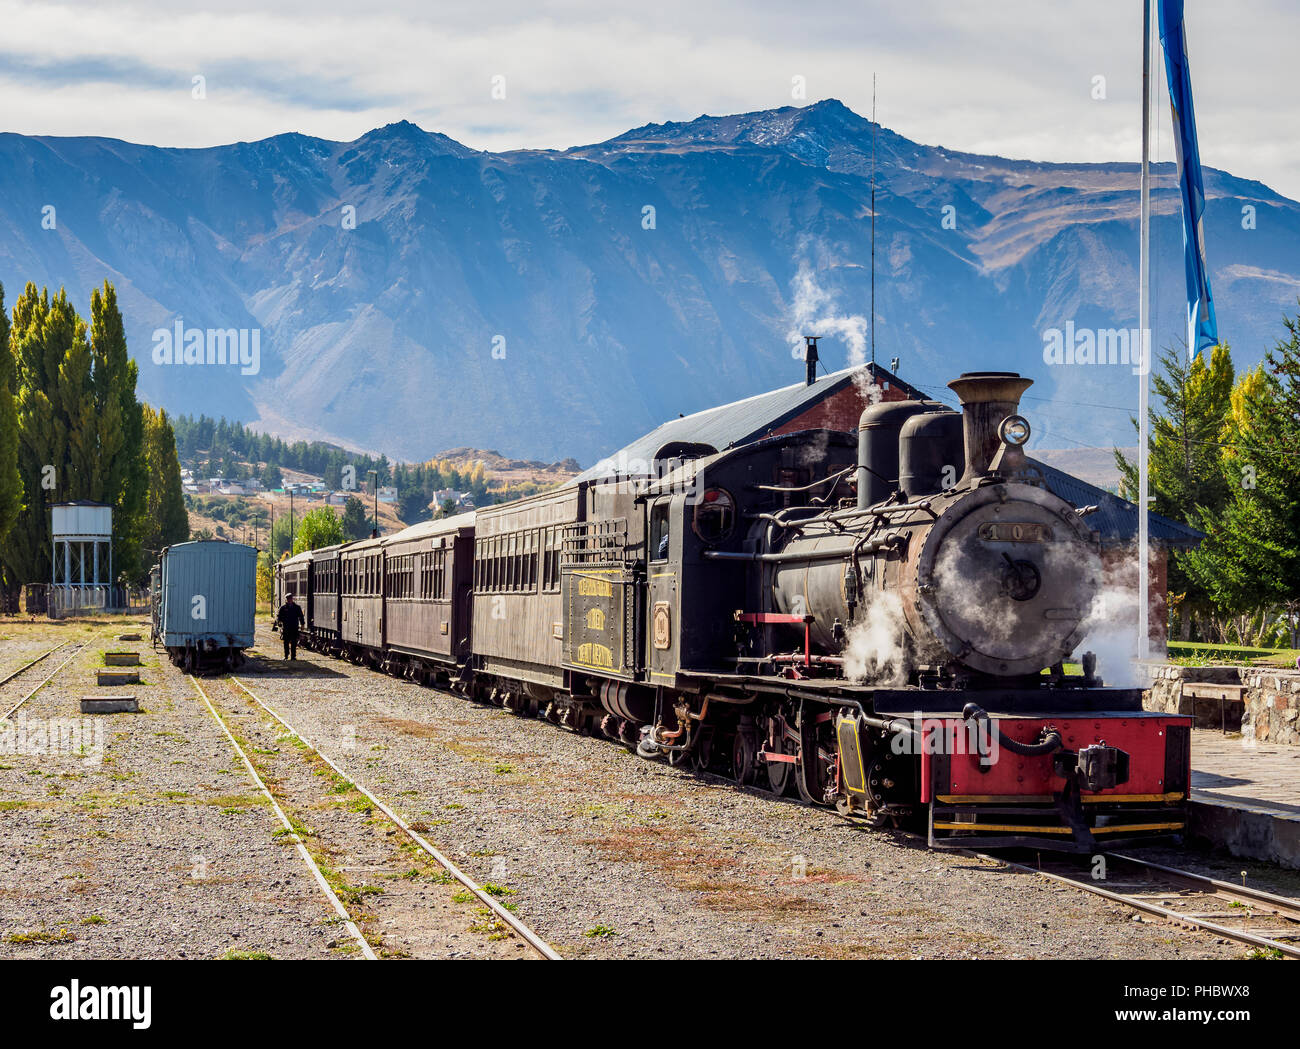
1246	796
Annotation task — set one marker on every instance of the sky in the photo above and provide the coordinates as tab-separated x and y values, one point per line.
1015	78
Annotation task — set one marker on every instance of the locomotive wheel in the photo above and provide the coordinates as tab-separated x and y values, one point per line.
744	757
702	753
778	772
804	796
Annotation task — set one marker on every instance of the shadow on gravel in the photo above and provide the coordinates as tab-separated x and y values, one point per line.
261	666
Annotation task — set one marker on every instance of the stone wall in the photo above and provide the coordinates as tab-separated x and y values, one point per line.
1269	710
1272	706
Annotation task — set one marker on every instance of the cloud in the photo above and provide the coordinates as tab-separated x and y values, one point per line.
1014	78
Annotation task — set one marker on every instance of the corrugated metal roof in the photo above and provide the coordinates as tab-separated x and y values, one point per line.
739	422
1116	519
437	526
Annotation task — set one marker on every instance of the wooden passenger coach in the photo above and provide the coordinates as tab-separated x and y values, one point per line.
428	579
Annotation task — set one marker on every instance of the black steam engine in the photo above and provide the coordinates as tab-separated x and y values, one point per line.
881	625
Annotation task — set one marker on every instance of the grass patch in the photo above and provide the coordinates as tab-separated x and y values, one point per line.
245	956
600	932
1265	954
40	936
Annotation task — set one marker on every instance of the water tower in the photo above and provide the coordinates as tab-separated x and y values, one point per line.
83	545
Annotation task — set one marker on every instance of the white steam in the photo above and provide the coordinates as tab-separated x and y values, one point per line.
1112	625
813	312
873	650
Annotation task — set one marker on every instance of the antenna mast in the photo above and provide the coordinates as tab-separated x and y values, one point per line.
873	224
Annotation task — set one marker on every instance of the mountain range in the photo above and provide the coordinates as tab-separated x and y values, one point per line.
408	293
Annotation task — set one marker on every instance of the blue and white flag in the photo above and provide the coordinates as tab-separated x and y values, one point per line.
1202	328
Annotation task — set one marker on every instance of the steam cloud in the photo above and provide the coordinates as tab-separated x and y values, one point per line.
813	313
873	651
1112	625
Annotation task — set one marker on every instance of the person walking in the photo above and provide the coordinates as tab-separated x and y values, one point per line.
291	619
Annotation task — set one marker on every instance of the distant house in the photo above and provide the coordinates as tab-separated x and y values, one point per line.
387	493
460	500
337	498
233	488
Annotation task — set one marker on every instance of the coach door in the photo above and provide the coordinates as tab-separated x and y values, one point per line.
663	614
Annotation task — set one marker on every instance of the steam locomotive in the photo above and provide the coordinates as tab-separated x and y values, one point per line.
881	625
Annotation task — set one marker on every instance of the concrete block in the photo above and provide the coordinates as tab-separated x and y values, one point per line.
117	677
109	705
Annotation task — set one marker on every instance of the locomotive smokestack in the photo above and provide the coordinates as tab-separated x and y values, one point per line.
810	357
986	399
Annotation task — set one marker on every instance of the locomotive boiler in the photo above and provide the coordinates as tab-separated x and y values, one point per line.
986	578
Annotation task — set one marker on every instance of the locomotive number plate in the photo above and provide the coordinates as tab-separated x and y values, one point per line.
1015	532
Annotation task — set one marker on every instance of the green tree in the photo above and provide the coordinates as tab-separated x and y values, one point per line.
265	577
166	519
271	476
1185	462
11	481
355	523
281	530
79	426
56	413
121	479
1252	559
319	527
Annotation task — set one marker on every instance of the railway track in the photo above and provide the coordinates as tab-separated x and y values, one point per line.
1184	898
1194	901
501	913
366	950
48	678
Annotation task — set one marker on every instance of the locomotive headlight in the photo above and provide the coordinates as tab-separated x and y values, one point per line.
1014	429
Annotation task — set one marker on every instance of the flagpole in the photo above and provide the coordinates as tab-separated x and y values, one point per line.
1144	336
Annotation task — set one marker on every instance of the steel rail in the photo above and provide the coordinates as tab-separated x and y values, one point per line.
23	669
1290	908
325	886
533	940
12	710
1082	883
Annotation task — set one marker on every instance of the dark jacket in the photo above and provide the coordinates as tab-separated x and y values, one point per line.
290	618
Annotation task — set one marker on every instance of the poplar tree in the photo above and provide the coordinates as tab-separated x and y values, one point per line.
56	422
166	521
122	480
80	427
11	482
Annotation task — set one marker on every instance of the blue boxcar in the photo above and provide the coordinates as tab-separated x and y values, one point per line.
204	601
